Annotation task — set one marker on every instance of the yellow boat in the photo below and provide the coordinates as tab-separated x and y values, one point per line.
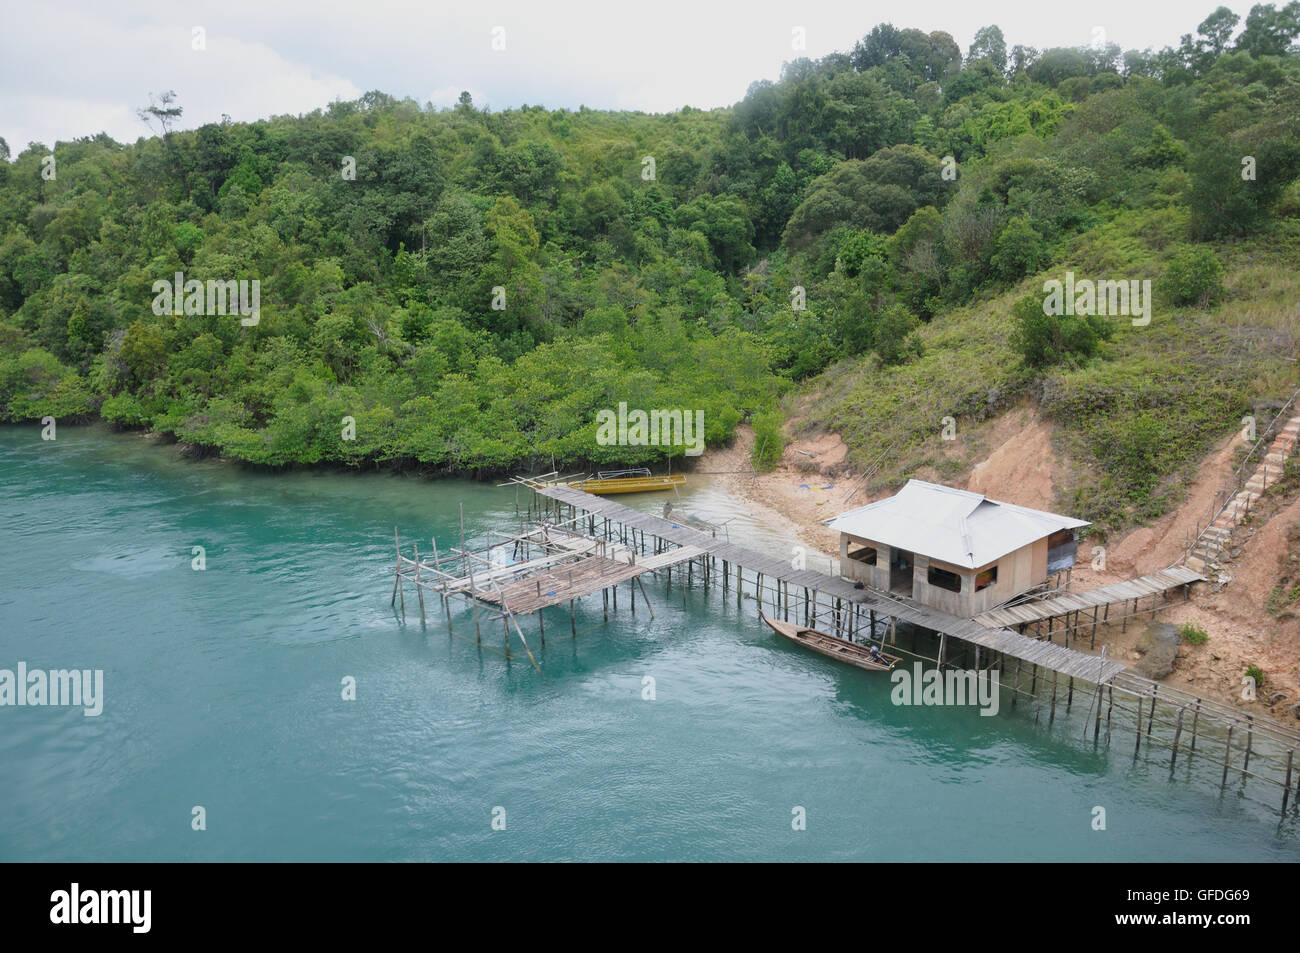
637	480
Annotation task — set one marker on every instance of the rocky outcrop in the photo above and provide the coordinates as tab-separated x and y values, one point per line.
1158	647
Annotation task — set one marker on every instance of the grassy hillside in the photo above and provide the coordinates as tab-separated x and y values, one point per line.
1134	421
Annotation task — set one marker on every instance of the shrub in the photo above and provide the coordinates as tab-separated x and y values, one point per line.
769	440
125	410
1044	340
895	335
1020	250
1193	634
1193	276
1256	674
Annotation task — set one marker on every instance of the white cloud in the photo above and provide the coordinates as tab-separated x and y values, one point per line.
73	67
98	72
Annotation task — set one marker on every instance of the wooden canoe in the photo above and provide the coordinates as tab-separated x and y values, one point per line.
831	647
639	484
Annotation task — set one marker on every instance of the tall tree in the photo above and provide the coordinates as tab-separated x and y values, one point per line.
989	44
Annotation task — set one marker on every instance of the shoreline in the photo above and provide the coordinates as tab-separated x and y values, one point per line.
794	503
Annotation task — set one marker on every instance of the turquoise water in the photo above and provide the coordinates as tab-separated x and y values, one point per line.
223	689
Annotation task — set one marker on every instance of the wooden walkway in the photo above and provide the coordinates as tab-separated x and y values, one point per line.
1219	737
1089	599
1047	655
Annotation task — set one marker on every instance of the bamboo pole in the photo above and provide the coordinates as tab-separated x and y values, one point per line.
641	586
1286	785
419	589
1250	734
397	573
1227	752
1178	731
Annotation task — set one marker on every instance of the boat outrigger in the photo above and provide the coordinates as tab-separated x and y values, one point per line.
854	654
634	480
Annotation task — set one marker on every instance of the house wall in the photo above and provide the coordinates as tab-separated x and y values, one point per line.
877	576
1017	571
936	596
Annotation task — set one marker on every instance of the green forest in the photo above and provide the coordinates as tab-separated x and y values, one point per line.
470	287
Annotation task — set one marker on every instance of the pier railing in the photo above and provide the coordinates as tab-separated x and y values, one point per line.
1224	497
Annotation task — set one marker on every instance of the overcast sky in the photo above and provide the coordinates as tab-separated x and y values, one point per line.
72	68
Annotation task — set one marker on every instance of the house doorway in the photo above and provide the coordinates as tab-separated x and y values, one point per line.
900	572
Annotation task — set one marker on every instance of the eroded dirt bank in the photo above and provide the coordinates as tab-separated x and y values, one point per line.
1019	465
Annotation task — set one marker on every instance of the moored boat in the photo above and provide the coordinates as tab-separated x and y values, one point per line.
636	480
841	650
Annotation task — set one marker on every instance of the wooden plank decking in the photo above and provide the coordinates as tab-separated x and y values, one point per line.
1138	588
1068	662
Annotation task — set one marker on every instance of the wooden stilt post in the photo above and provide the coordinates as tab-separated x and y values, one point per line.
1178	730
469	562
419	589
637	580
437	564
1286	786
397	573
1227	751
1250	734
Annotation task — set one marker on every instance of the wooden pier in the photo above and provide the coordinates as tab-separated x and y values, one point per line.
1071	606
781	577
581	544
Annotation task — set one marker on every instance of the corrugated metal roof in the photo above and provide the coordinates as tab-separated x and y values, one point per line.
956	526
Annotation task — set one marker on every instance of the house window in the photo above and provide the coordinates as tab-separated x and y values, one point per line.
987	578
1062	548
866	555
944	579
